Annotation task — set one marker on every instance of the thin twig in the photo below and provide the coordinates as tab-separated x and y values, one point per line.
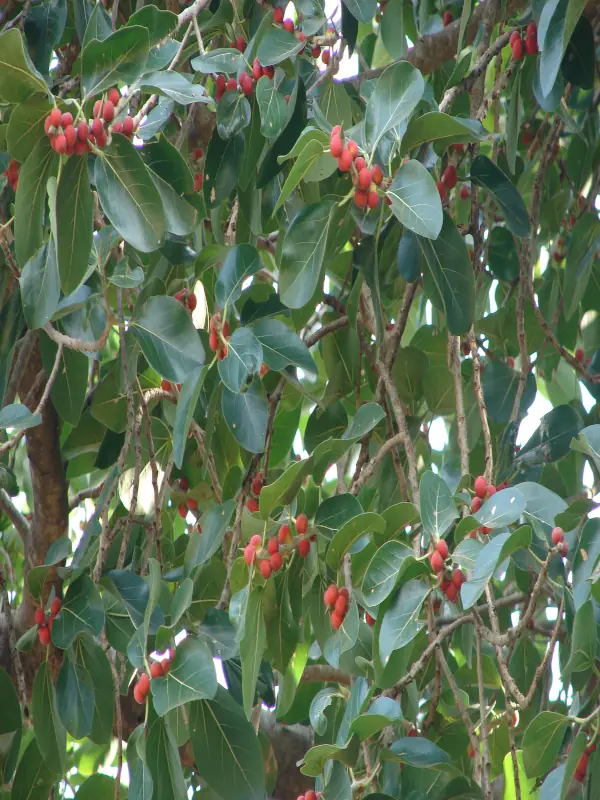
461	417
486	764
12	643
485	426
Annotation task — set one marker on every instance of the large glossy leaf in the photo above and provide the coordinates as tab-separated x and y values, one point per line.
350	533
588	442
558	20
40	287
415	200
120	58
180	216
164	762
26	127
438	127
384	571
34	778
129	197
448	277
394	98
284	489
277	45
502	509
500	388
492	554
75	698
274	111
30	202
252	647
418	752
583	640
233	114
222	167
241	263
438	508
90	656
226	750
362	10
16	415
202	546
168	338
191	676
186	405
583	247
302	253
19	80
74	223
552	439
49	731
82	610
542	741
246	416
221	59
11	728
176	87
401	622
489	176
281	347
244	358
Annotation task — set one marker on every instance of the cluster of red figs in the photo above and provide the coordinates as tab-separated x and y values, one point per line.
12	174
191	504
530	46
187	299
198	155
366	179
337	601
45	625
270	558
69	137
158	669
218	336
450	582
447	18
558	540
309	795
256	486
483	491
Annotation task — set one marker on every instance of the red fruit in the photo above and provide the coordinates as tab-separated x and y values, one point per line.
476	504
531	28
249	554
579	354
50	623
257	70
491	490
336	146
531	45
484	530
557	535
257	484
55	117
97	127
458	578
166	665
480	486
310	795
517	50
470	751
450	177
579	776
341	605
447	18
97	107
301	523
353	148
240	43
273	545
278	15
344	591
213	340
444	584
464	192
55	606
377	175
412	733
263	370
138	695
108	111
144	683
70	135
564	549
60	143
231	85
114	96
436	561
117	127
369	619
39	616
336	621
284	533
331	595
66	119
303	547
256	541
253	505
316	51
515	36
459	148
582	764
183	510
345	161
361	198
288	25
83	131
276	562
184	483
442	190
452	593
156	670
360	163
365	177
326	57
442	548
265	569
269	72
192	504
372	200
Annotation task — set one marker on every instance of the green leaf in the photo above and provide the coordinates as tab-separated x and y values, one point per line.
180	216
583	247
176	86
418	752
503	258
487	175
30	202
512	123
226	750
385	570
383	712
438	127
277	45
343	639
578	64
90	656
272	106
242	262
164	762
49	731
128	195
40	286
302	253
556	25
448	277
99	787
74	223
552	440
19	80
82	610
186	405
392	29
401	622
312	158
281	347
542	742
576	750
415	200
583	640
243	359
394	98
335	105
191	676
252	647
282	491
500	387
11	728
350	533
120	58
160	24
233	114
26	127
502	509
18	416
246	416
75	698
33	779
320	703
362	10
98	26
588	442
168	338
438	508
202	546
316	758
492	554
182	599
165	160
222	59
222	167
